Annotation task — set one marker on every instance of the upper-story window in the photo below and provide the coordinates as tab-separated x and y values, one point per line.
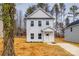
47	22
39	23
32	23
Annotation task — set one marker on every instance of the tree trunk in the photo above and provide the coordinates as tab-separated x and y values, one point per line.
8	45
56	25
8	13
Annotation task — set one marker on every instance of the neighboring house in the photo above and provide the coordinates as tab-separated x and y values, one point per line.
71	32
39	27
1	22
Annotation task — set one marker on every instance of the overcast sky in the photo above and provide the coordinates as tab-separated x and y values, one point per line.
23	7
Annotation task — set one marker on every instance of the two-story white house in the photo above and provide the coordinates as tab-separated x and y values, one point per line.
40	27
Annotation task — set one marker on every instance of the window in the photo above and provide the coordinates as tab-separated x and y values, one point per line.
32	35
32	23
71	29
47	22
39	23
39	36
47	34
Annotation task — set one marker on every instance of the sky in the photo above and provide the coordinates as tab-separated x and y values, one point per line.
23	7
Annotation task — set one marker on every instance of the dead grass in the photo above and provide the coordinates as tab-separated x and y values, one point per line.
36	49
1	46
59	40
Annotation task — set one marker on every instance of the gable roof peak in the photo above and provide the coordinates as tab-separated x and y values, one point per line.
42	11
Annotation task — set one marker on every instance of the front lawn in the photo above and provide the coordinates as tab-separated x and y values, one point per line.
36	49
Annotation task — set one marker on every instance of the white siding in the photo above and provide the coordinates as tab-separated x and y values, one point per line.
37	29
39	14
74	35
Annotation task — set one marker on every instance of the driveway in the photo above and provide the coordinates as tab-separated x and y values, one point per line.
74	50
70	48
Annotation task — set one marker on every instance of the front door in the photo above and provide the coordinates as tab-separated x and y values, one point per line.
46	37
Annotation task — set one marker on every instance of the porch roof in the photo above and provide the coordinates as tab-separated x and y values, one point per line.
48	29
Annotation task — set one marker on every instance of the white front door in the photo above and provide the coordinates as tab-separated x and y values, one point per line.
48	37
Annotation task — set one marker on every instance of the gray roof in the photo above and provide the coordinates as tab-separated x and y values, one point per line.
73	23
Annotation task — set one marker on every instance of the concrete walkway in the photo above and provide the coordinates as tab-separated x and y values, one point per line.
69	47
